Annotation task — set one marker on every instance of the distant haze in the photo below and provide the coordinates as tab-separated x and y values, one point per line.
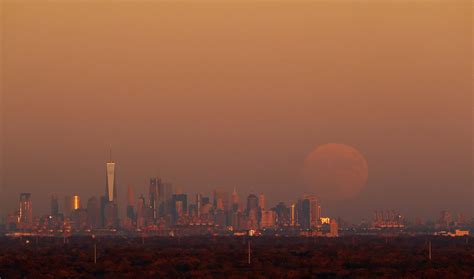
237	94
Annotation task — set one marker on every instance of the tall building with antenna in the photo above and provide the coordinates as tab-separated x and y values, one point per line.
110	187
110	207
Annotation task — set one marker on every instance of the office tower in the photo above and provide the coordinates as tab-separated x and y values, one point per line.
261	202
268	219
206	209
103	203
252	202
79	219
299	212
198	205
141	205
293	215
130	208
220	218
76	202
25	213
252	211
54	205
110	186
234	221
179	209
110	215
282	214
223	196
68	206
165	191
179	206
153	197
305	220
110	208
192	211
314	210
93	212
333	228
235	201
243	223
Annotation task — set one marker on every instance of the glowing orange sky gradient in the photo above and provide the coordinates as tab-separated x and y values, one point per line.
236	94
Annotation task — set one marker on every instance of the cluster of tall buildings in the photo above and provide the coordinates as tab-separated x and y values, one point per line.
98	213
447	220
166	208
387	219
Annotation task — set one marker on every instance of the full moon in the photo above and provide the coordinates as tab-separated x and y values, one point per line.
335	171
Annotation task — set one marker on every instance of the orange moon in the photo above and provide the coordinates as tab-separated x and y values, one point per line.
335	171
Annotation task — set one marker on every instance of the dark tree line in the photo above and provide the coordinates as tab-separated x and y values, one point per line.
226	257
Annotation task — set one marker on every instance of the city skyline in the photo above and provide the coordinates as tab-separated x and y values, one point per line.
160	191
186	92
111	190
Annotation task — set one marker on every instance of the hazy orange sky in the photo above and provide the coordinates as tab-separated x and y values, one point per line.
236	94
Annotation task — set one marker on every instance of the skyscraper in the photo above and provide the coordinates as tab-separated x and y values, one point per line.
68	206
79	219
315	210
110	215
110	209
261	201
223	196
179	206
165	190
130	207
235	201
292	215
198	205
305	220
252	211
93	212
153	197
76	202
268	219
110	187
103	203
282	214
141	205
25	213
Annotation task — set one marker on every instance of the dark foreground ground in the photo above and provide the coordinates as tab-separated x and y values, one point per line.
221	257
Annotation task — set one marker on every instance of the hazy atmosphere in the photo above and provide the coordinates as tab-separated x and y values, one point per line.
237	95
